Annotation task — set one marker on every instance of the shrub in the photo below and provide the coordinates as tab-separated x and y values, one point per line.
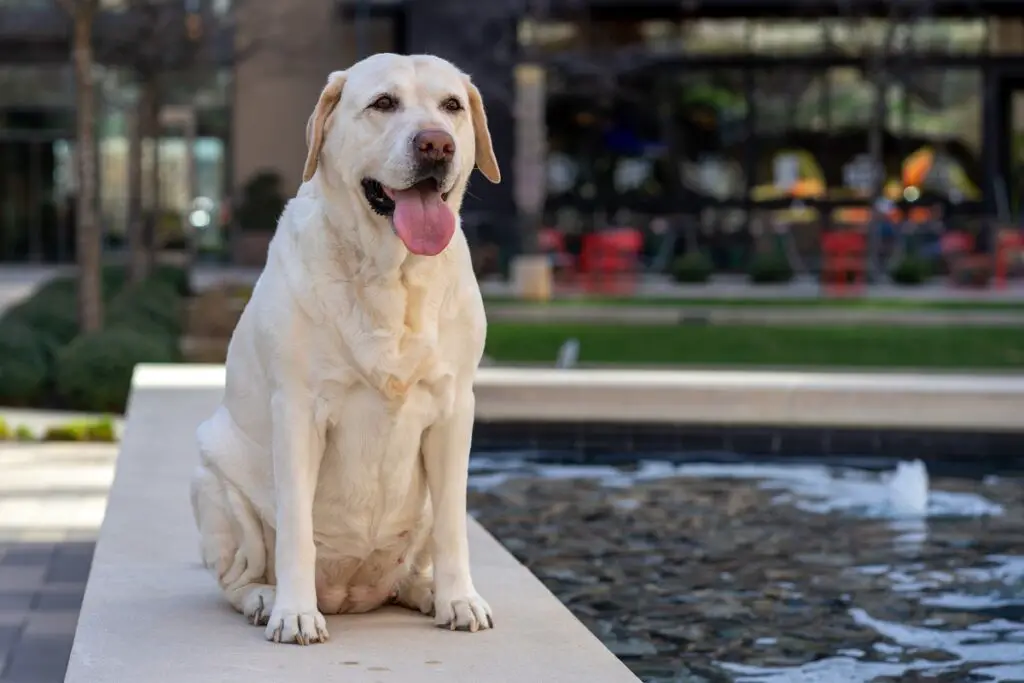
151	307
23	433
25	358
86	430
911	270
51	312
692	267
769	268
94	372
5	431
262	203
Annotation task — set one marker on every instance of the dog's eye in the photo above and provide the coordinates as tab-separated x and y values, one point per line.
452	104
384	103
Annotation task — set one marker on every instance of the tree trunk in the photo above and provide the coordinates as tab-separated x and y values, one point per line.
88	235
138	258
150	109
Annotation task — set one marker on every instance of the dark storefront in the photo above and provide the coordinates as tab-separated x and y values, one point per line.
731	116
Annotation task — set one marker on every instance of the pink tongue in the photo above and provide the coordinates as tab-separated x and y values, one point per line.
423	221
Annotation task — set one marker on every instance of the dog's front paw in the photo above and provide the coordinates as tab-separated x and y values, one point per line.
466	612
302	628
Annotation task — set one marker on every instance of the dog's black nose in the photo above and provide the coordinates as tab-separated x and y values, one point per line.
433	147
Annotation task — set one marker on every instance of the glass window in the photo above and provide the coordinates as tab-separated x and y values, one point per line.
944	131
926	35
716	36
788	133
709	125
786	37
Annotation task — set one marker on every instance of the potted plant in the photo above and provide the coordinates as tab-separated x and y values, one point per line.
693	267
769	267
910	271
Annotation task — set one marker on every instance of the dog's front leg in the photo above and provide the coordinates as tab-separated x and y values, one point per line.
445	448
297	452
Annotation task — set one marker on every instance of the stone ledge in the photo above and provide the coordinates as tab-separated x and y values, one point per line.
151	613
721	398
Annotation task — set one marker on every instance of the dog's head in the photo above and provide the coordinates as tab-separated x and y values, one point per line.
404	132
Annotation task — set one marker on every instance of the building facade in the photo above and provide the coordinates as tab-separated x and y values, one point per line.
733	113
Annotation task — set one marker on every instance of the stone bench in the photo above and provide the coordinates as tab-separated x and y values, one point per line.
152	613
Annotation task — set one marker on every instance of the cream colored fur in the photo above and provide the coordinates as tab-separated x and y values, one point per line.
333	475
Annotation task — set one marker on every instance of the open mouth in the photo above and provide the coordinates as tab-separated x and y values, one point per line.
382	199
419	214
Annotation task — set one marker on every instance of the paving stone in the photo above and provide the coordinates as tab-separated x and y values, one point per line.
56	623
38	659
62	600
27	556
15	601
70	566
22	578
9	636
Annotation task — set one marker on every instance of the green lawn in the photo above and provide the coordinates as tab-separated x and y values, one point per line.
746	345
809	302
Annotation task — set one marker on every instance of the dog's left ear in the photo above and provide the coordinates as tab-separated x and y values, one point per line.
485	160
329	99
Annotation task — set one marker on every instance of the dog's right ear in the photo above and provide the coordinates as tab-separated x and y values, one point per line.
329	99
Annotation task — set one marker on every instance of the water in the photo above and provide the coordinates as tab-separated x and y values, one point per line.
775	574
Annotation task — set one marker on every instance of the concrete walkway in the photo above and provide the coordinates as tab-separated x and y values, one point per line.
52	501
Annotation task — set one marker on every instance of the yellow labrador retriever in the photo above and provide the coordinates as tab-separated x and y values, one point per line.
333	475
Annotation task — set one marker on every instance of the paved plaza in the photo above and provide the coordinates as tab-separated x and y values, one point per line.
52	500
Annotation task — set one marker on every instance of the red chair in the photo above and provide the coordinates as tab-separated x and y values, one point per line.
843	262
1008	243
966	268
609	260
551	241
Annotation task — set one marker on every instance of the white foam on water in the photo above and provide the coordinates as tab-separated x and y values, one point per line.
970	646
908	489
828	670
903	494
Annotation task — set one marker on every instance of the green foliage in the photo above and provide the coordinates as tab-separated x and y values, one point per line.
770	268
23	433
262	203
25	357
52	312
101	430
94	372
692	268
150	308
911	270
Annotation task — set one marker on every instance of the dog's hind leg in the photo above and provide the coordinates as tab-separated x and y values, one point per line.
232	545
231	537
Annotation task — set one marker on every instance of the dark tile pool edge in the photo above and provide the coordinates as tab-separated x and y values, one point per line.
610	443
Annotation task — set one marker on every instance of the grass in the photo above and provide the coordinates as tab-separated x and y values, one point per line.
90	430
748	345
802	302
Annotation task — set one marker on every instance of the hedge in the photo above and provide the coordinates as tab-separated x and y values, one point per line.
45	362
24	364
94	372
